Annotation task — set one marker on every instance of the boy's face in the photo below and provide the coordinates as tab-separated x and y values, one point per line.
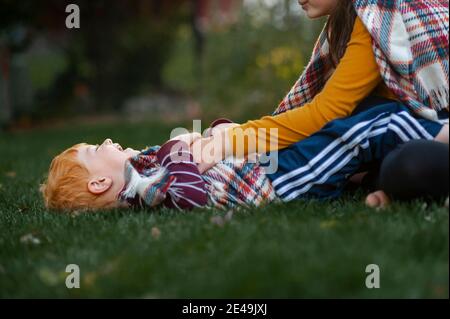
106	164
107	155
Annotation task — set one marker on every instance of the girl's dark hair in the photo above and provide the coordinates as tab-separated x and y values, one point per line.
339	28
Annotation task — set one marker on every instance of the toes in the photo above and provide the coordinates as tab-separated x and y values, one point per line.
377	199
383	199
372	200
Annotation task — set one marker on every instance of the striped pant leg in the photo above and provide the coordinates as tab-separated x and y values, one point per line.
320	166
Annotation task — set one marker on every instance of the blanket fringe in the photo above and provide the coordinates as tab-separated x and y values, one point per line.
439	98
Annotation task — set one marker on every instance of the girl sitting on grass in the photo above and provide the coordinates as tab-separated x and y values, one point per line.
368	49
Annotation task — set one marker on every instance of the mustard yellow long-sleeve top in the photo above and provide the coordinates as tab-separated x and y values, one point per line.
355	77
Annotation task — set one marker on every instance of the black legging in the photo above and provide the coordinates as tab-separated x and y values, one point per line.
416	169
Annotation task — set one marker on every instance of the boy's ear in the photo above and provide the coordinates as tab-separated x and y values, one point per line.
99	185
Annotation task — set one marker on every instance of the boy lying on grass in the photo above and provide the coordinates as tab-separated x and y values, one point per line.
107	176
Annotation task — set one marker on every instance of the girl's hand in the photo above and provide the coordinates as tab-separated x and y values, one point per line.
188	138
218	129
199	152
209	151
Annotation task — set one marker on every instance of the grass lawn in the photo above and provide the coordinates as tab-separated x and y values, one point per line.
295	250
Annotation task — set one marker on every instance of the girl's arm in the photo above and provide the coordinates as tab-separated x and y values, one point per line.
355	77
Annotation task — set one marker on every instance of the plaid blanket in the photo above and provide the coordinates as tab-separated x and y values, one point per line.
410	44
238	182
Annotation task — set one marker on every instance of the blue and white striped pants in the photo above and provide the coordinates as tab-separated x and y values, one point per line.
320	165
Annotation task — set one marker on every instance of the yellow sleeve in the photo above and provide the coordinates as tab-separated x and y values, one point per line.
355	77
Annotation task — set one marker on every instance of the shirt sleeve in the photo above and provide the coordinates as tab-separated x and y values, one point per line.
354	78
188	189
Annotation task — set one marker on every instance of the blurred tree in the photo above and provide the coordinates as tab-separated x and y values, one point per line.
249	65
14	39
120	49
249	52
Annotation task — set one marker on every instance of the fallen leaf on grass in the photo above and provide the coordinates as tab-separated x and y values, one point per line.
439	291
328	224
49	277
217	220
229	215
109	267
89	279
11	174
221	221
30	239
156	233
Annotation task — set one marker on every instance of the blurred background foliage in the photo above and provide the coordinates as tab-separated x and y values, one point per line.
169	60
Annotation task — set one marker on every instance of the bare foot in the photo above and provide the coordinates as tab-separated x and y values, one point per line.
377	199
